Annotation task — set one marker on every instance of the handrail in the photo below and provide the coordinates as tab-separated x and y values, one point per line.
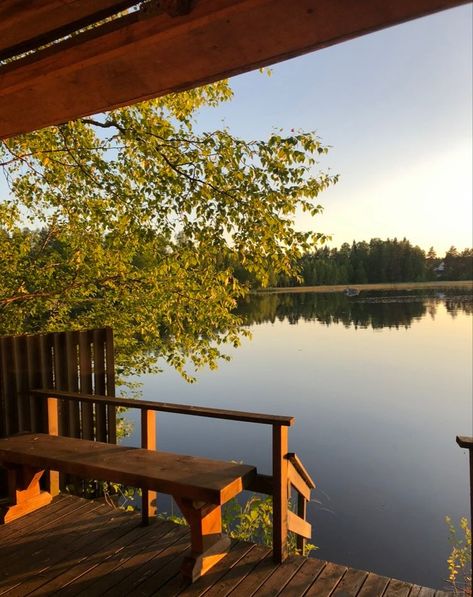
184	409
277	485
300	468
465	442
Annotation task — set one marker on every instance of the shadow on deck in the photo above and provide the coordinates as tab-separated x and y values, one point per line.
81	547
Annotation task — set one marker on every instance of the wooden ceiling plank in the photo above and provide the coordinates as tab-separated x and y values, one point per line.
150	57
27	25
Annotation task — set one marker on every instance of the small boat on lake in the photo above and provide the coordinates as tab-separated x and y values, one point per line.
351	292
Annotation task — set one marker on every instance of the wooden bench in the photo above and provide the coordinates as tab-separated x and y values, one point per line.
199	486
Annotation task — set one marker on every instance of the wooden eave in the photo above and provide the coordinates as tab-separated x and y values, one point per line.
146	54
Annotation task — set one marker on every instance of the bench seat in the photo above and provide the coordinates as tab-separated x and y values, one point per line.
199	485
201	479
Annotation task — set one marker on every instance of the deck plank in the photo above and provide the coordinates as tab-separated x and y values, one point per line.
303	578
40	539
34	519
177	585
238	572
253	581
75	573
58	548
327	580
154	583
351	583
373	586
93	573
225	575
138	568
397	588
426	592
19	561
153	564
82	547
281	576
60	507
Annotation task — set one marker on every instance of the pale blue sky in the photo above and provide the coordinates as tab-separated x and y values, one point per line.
396	107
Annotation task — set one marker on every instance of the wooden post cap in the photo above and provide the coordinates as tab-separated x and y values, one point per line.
465	442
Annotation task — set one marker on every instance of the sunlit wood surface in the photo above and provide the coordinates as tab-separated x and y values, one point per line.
81	547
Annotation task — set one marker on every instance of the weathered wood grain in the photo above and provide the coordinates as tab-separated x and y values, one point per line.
327	580
351	583
81	547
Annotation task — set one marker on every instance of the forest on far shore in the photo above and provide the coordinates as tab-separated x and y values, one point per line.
376	261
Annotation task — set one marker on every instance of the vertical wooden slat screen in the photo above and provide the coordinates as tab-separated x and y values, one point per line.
60	378
34	378
86	385
20	368
99	383
47	372
110	385
76	361
72	383
9	418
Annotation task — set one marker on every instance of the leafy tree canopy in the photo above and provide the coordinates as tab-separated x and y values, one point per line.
133	219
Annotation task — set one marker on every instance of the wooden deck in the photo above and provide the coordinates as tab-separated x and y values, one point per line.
81	547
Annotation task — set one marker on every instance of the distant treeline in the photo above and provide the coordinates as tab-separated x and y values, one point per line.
376	261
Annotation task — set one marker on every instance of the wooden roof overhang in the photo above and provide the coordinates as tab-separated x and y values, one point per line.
56	67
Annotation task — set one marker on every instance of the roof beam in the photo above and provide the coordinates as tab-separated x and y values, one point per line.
145	56
25	26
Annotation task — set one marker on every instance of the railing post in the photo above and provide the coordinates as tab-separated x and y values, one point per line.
53	429
280	493
467	444
148	441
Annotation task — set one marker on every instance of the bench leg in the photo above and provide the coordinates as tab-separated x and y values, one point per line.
208	543
24	493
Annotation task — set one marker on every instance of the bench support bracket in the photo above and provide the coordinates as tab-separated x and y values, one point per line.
208	544
24	493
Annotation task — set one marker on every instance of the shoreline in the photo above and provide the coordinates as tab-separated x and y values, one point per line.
380	286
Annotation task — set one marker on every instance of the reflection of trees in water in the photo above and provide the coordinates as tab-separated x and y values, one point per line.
456	305
370	311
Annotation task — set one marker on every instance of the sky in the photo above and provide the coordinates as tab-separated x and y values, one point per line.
396	108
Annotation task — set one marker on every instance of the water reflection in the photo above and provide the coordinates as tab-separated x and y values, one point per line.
375	310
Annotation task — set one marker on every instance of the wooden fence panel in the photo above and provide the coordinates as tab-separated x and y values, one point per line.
60	378
98	340
75	361
110	385
72	382
9	418
34	380
20	370
86	385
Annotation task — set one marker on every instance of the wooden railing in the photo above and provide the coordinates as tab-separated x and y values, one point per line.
467	443
287	470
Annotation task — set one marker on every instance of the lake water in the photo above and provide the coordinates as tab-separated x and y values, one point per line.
380	384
